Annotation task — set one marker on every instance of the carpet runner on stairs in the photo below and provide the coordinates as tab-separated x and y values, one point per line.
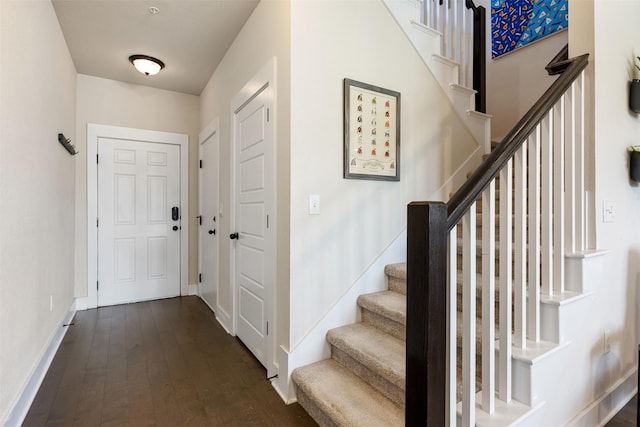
363	382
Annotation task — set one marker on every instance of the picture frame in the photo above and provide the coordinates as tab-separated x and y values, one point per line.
371	132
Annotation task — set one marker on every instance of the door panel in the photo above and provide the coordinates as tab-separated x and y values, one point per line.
218	299
125	257
253	145
138	249
157	194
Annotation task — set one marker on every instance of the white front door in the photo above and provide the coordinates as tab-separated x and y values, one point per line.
138	221
253	237
209	220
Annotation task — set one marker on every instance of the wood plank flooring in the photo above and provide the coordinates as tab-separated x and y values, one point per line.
157	363
627	415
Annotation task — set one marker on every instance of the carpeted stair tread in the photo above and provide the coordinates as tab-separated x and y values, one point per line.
397	277
340	398
379	352
398	270
391	305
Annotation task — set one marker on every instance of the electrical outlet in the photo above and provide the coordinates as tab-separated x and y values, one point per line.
607	341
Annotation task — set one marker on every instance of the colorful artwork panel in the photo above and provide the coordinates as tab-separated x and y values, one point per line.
517	23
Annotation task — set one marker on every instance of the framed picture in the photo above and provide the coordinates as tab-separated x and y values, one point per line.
371	132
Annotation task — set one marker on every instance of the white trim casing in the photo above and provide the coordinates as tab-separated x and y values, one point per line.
94	133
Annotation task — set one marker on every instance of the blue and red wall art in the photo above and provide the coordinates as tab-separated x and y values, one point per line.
517	23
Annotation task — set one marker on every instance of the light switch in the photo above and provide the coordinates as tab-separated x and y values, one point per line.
314	204
608	212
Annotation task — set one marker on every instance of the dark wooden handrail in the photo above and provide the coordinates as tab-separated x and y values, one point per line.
479	54
469	192
428	227
560	62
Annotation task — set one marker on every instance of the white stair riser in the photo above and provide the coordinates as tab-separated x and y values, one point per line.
428	43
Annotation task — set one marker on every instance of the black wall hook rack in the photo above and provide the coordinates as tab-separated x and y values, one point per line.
66	143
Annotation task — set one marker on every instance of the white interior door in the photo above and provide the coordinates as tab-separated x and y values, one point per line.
254	240
209	219
138	221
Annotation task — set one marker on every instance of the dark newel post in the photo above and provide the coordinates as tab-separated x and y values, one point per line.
480	57
426	314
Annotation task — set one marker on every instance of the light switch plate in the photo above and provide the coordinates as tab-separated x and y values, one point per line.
608	211
314	204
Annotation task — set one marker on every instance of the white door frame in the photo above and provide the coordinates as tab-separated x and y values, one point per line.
94	133
265	78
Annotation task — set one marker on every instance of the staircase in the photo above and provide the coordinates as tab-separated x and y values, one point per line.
511	321
363	382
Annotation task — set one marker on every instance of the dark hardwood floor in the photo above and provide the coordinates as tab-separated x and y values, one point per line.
627	415
157	363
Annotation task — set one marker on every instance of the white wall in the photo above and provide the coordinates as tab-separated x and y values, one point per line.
320	43
598	382
516	80
37	189
616	35
109	102
359	218
264	36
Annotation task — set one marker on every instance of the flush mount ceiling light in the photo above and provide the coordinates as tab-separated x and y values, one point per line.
147	65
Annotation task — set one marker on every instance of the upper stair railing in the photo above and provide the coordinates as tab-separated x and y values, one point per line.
541	213
463	28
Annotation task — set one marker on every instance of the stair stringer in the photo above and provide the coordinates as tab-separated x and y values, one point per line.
540	376
539	391
429	45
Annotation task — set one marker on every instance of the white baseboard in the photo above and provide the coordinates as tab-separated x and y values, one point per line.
22	405
603	409
82	304
193	289
216	316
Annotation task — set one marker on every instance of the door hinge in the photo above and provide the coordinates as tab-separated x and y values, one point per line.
267	114
97	285
97	222
199	219
200	164
200	278
97	158
267	221
267	328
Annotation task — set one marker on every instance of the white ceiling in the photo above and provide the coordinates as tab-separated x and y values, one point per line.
190	37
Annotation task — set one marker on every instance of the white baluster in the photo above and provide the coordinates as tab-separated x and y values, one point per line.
469	59
452	297
437	15
506	185
581	213
546	258
488	297
455	34
469	317
570	170
558	195
520	247
448	29
533	299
